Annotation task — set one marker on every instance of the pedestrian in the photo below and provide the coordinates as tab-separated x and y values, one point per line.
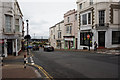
25	60
95	46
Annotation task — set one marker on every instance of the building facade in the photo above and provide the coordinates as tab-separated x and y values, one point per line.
98	21
70	30
56	35
11	27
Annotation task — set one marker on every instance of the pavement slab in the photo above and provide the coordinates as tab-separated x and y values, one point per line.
13	67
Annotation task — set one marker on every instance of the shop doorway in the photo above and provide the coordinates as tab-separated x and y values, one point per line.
9	47
101	39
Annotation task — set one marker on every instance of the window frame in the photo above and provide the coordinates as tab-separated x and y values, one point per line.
114	37
8	23
101	15
80	6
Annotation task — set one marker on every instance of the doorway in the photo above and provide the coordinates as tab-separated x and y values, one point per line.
101	39
9	47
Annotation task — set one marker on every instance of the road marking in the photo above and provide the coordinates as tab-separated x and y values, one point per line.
32	62
45	73
40	68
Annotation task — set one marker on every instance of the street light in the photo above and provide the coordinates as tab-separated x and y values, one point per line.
27	38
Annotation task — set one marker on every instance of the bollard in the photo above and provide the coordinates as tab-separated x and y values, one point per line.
2	62
25	59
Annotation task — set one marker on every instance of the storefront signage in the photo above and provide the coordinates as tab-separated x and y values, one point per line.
69	39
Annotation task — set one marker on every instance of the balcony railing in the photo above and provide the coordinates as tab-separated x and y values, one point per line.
102	26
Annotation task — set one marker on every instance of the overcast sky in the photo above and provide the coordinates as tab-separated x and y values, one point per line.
43	14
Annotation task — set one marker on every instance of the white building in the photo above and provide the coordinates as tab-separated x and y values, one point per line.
11	25
101	20
56	35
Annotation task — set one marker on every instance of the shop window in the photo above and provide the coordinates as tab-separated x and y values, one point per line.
66	43
84	40
115	37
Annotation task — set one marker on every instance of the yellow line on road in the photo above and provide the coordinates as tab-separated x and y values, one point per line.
45	73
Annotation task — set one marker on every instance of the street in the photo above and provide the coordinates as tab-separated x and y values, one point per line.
77	64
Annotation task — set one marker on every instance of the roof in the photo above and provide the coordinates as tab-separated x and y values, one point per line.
57	24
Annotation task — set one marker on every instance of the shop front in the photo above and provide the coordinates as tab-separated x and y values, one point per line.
69	42
86	39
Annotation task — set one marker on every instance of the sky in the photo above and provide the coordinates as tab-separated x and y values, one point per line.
43	14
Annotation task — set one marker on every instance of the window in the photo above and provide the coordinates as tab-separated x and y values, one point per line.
91	2
54	36
68	19
75	16
84	19
59	34
115	37
17	25
8	23
101	17
81	6
69	29
59	26
89	18
51	32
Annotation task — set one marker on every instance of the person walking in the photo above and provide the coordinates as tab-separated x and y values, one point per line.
95	46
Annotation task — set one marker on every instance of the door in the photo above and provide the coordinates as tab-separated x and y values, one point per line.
9	47
101	38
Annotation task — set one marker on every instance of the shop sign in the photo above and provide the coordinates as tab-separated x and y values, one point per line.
69	39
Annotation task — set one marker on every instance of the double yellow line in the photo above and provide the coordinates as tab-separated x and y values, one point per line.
45	73
40	68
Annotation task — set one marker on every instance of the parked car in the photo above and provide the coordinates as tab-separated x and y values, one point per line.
48	48
35	47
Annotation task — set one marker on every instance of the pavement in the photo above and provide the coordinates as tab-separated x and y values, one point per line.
101	51
13	67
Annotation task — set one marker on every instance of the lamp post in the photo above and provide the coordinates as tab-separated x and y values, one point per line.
27	38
